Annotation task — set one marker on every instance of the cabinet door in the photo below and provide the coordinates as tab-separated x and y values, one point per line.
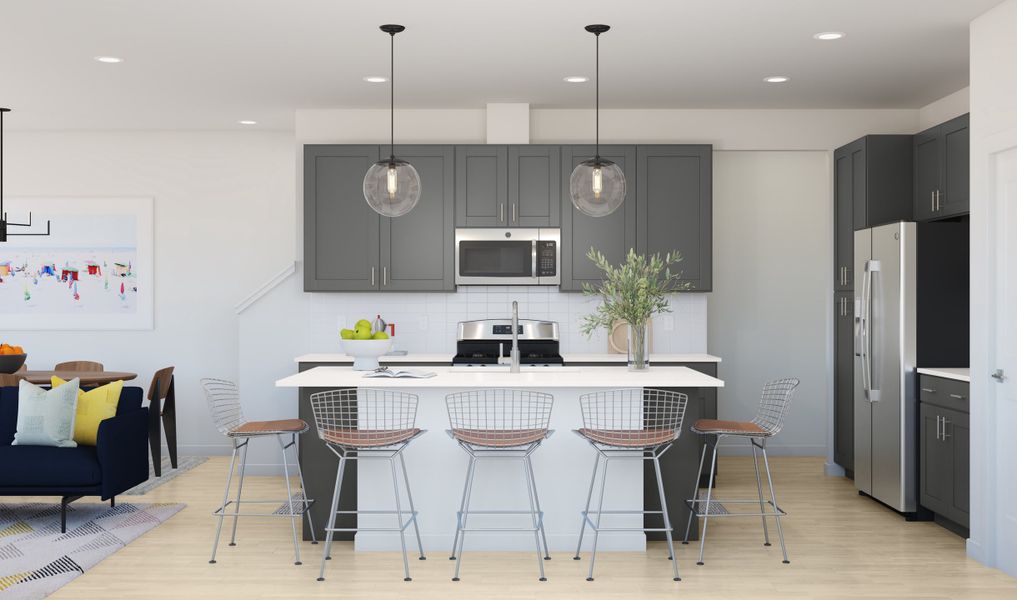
613	235
936	462
958	435
481	190
417	248
534	186
844	412
859	203
341	232
955	195
927	173
674	207
843	229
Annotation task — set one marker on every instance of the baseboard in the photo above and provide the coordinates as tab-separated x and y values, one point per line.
834	470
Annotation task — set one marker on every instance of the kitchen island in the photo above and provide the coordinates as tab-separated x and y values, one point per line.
437	466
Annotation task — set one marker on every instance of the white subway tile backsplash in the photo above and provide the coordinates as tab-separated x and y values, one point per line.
426	322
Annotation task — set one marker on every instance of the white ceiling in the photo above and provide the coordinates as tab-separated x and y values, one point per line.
205	64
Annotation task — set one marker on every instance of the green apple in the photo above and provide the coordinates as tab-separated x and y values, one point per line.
381	335
362	323
362	334
346	334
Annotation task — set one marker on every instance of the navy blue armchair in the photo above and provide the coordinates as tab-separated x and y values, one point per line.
118	461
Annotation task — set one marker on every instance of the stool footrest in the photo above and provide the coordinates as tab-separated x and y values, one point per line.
696	508
300	505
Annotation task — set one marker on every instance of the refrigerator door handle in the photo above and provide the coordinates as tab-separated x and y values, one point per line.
862	338
873	267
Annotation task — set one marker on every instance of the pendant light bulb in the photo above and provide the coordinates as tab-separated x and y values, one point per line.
597	185
391	185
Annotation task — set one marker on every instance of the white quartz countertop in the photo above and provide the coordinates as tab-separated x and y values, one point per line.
409	359
958	374
537	378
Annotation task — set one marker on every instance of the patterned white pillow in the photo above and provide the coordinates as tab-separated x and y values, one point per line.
46	417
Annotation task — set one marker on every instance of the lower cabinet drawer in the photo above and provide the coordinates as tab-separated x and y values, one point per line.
948	393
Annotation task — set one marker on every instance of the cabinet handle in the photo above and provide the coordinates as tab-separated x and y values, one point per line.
384	276
501	212
514	219
957	396
929	390
932	199
372	276
946	436
939	422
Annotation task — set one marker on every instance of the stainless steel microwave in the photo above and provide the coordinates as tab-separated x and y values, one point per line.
517	256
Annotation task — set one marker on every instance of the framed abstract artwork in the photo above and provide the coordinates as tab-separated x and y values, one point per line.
94	270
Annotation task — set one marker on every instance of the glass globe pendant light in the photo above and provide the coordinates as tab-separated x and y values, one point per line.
597	185
392	186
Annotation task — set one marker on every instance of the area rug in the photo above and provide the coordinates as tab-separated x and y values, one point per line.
184	464
36	559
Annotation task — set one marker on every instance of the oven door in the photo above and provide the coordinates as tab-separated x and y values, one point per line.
496	256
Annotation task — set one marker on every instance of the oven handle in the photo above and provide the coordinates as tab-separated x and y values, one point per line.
533	264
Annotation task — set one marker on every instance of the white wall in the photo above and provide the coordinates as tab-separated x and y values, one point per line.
993	116
224	220
944	109
769	317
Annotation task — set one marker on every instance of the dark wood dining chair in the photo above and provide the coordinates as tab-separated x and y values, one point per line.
79	365
162	406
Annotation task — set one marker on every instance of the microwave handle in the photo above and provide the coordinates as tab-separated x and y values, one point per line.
533	254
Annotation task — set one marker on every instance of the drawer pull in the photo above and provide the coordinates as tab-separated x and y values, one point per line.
928	391
958	396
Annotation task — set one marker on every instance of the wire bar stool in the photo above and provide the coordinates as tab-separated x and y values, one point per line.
769	420
629	424
224	404
504	424
371	424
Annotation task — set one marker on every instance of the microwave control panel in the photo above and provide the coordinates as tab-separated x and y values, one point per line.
547	258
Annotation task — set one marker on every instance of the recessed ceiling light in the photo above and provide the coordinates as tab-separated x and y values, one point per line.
247	122
375	79
577	79
110	60
777	79
829	35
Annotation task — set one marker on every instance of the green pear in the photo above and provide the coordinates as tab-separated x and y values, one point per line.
362	334
381	335
362	323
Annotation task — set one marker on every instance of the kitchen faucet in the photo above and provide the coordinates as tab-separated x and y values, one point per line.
514	353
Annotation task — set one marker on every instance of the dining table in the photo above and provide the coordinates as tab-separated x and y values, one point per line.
86	378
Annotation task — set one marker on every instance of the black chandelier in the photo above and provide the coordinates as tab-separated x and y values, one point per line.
4	223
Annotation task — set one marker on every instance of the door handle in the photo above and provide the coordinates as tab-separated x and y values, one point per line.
372	276
384	276
998	376
514	210
929	390
957	396
501	212
939	423
946	435
932	200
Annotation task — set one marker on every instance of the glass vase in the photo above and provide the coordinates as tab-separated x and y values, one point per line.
639	347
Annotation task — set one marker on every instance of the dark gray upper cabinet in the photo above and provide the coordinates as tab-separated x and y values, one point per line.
674	207
481	189
417	248
881	179
844	377
613	235
843	217
341	232
942	170
534	186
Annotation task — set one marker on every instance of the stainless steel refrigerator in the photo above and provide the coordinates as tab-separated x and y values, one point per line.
885	348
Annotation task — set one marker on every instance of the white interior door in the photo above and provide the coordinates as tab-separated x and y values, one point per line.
1004	191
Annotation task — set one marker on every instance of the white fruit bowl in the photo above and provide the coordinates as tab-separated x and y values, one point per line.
365	353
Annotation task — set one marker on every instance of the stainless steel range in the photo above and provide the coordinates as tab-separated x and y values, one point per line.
489	342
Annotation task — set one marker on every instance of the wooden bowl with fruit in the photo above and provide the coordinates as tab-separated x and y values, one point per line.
364	346
11	358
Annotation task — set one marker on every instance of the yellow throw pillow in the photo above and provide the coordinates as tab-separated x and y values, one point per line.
94	406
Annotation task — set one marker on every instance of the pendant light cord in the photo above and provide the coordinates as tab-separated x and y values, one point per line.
597	75
391	87
3	217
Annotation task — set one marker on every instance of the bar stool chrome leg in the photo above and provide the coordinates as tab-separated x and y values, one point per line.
695	493
537	520
759	491
225	500
709	497
289	502
462	507
586	511
240	490
773	498
667	520
536	499
461	530
330	528
399	520
409	496
600	511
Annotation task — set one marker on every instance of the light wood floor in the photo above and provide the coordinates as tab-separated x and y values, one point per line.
841	546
